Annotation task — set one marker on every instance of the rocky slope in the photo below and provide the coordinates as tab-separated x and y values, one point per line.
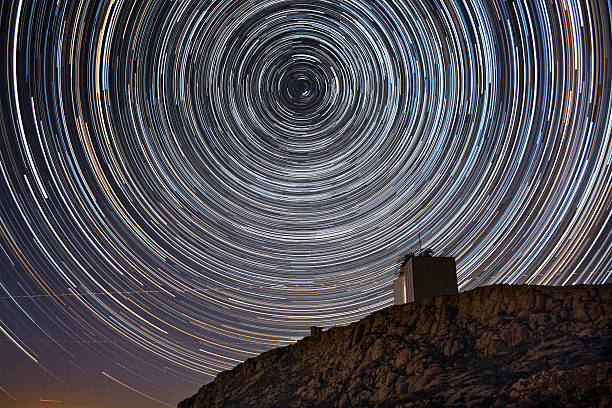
492	346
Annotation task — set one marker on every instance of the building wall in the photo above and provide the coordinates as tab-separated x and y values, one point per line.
433	276
425	276
409	283
399	290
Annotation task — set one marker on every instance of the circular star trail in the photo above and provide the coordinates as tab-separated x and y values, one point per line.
228	173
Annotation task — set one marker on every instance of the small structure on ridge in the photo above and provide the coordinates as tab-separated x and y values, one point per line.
423	275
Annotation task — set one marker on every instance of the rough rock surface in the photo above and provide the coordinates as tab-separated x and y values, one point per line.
522	346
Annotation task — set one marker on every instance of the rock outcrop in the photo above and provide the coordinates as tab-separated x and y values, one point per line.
495	346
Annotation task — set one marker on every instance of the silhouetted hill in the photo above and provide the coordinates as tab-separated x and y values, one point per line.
492	346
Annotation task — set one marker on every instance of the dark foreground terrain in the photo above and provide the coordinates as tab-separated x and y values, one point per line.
521	346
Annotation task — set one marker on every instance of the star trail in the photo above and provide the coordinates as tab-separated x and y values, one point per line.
185	184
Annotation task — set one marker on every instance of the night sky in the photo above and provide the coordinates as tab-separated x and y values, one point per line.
185	184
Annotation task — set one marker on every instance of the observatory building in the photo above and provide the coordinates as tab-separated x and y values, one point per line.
422	276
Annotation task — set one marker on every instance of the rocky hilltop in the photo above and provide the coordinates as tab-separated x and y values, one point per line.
492	346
